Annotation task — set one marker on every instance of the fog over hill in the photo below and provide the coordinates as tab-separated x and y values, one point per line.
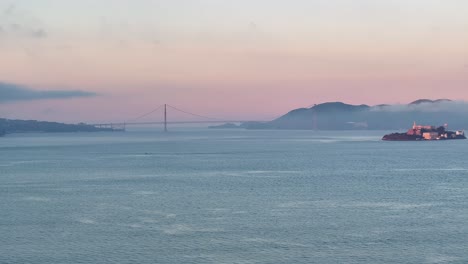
342	116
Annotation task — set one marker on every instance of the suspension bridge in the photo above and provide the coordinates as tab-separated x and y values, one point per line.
137	121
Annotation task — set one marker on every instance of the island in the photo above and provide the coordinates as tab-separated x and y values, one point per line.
225	126
418	132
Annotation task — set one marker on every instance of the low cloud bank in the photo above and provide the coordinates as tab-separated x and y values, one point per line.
442	106
12	93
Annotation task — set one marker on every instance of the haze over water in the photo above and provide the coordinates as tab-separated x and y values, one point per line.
234	196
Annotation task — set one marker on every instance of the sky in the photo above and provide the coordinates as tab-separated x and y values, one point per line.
113	60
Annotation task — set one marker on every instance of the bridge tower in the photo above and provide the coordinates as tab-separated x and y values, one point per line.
165	117
314	117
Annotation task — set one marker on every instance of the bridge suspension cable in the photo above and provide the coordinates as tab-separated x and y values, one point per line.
146	114
193	114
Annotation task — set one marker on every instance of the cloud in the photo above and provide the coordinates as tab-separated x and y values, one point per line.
17	24
12	93
16	29
440	106
38	33
9	10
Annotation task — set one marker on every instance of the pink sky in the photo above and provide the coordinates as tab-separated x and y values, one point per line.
241	60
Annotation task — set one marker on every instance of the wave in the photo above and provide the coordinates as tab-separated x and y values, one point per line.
37	199
87	221
180	229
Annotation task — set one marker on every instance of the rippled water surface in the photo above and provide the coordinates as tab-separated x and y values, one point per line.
215	196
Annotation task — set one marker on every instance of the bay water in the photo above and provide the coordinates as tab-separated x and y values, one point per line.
196	195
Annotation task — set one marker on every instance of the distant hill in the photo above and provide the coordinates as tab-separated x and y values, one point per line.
339	107
225	126
342	116
8	126
422	101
